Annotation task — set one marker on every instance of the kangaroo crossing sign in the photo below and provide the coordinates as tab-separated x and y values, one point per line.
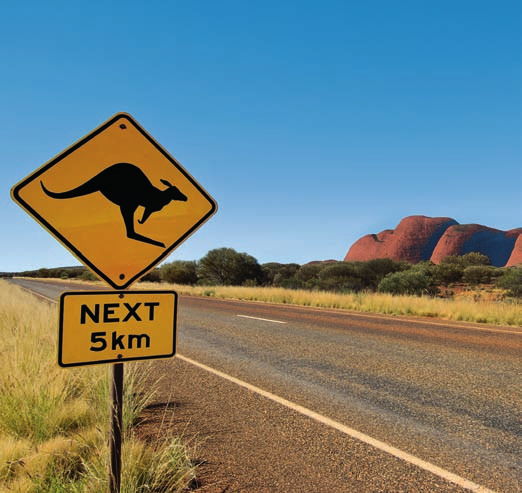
117	200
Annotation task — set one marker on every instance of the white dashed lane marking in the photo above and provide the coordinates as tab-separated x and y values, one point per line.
263	319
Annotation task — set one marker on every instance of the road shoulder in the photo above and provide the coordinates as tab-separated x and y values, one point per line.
245	442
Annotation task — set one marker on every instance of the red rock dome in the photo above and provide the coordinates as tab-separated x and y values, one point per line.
418	238
413	240
516	254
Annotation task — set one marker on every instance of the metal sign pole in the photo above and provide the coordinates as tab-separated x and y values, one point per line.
116	427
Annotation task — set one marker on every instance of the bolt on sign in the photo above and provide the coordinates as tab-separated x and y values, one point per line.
117	200
112	327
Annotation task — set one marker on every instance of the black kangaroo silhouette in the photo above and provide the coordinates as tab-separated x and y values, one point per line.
127	186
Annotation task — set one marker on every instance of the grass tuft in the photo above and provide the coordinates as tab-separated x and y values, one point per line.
53	421
157	468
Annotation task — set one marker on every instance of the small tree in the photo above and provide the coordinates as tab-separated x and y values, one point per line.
467	260
447	273
373	271
416	281
76	272
152	276
179	272
476	258
308	272
341	276
512	281
89	276
275	274
225	266
477	274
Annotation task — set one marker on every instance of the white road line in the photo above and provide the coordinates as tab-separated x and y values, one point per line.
427	466
38	295
263	319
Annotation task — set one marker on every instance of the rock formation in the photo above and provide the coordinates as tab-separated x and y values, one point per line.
418	238
516	254
464	238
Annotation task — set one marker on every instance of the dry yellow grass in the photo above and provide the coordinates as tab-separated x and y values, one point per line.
53	421
461	309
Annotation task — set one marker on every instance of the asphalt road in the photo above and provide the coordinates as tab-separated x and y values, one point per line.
371	403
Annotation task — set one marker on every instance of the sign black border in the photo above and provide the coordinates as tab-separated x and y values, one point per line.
120	360
15	193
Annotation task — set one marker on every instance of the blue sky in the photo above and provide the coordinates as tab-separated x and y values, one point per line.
310	123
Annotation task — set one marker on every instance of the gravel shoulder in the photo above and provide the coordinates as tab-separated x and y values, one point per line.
243	442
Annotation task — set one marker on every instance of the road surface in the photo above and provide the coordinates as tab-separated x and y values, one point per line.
297	399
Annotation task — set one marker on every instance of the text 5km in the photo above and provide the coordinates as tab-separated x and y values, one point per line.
100	343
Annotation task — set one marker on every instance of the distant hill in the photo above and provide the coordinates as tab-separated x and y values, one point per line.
418	238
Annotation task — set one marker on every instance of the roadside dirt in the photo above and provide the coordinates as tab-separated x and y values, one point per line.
242	442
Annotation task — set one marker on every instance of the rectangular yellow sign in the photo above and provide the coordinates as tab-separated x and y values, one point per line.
115	326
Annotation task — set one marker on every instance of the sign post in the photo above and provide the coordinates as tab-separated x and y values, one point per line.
121	204
115	427
111	327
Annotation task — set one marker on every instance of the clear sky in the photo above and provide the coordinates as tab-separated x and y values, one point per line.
312	123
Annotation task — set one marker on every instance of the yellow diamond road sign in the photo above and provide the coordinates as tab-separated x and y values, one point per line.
117	200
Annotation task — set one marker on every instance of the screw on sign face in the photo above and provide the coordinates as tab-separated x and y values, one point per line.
129	204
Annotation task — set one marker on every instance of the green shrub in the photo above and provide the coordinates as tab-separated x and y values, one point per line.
89	276
512	281
447	273
275	273
226	267
477	274
468	259
416	281
179	272
152	276
308	272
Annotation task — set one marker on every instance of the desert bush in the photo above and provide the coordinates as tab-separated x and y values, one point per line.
341	276
511	280
179	272
347	276
415	281
447	273
467	260
374	271
292	283
275	273
89	276
477	274
153	276
226	267
308	272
